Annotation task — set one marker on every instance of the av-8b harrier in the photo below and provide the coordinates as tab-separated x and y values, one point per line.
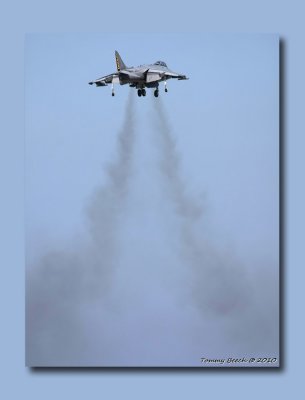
141	77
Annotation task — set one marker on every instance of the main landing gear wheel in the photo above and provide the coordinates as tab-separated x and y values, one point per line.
156	93
143	91
139	92
112	94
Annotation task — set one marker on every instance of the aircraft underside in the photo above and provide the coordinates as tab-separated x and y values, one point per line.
141	87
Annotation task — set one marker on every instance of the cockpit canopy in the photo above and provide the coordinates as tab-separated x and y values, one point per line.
162	63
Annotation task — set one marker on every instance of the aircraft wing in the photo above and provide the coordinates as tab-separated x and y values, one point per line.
105	80
175	75
156	75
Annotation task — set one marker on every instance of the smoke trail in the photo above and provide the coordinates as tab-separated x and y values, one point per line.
217	282
66	285
107	203
219	285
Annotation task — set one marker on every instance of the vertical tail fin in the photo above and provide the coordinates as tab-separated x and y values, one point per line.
119	62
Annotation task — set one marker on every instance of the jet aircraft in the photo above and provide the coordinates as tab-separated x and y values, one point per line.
141	77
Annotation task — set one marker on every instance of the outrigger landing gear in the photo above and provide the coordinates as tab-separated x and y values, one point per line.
156	93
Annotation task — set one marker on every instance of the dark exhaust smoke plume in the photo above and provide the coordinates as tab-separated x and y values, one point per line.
156	304
219	285
108	202
66	284
216	279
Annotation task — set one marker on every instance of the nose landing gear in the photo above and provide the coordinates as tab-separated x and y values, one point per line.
112	90
165	87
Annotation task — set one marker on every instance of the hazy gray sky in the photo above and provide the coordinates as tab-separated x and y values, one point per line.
182	211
